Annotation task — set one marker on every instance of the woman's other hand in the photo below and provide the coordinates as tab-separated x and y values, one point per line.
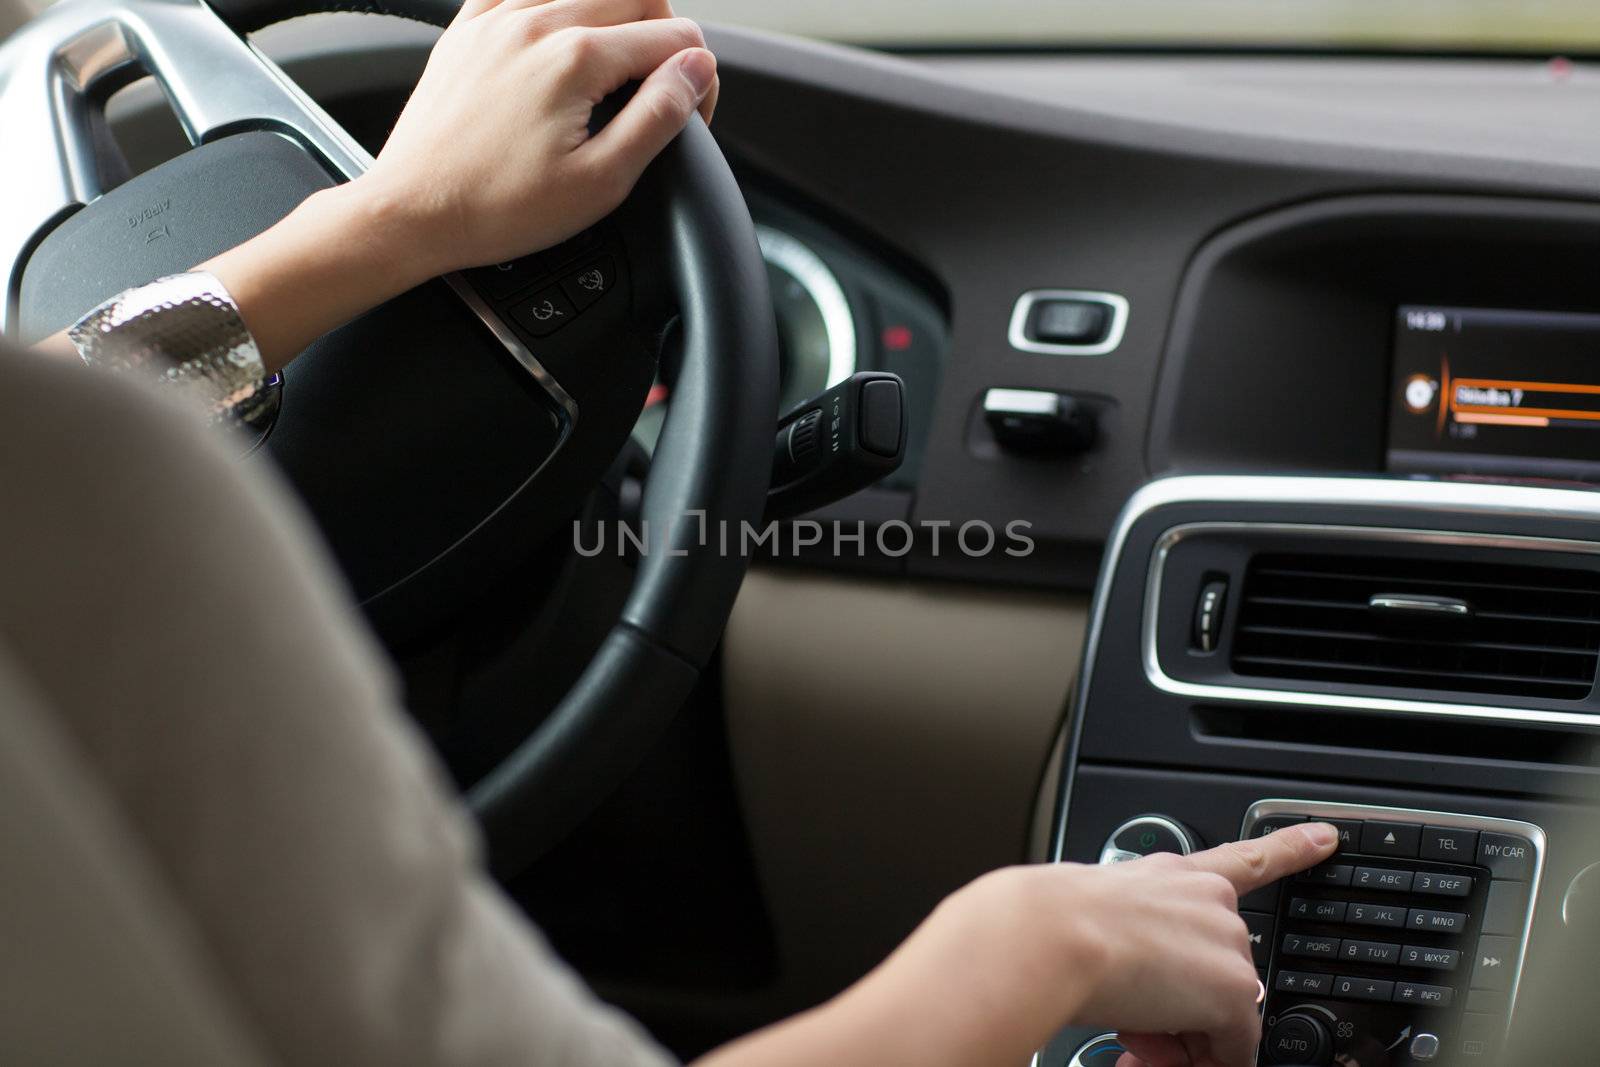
492	157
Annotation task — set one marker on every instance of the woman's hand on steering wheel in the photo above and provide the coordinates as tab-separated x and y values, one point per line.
492	157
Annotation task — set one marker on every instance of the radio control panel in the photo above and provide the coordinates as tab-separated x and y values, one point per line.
1405	948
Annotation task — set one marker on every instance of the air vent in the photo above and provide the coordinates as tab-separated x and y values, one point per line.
1402	623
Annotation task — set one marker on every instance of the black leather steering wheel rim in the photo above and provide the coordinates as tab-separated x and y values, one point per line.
711	466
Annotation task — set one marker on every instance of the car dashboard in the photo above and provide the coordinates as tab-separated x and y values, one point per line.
1290	362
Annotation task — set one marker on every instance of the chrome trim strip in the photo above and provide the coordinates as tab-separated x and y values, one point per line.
1021	402
1317	809
1159	678
1427	496
1421	605
216	82
1017	333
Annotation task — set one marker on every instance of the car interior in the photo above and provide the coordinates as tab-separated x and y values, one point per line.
1165	439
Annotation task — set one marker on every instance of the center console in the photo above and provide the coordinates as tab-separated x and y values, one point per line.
1412	660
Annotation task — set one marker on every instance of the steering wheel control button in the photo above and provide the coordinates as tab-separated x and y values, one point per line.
1382	878
1432	959
1449	844
1352	988
503	279
1425	1048
1442	885
1260	929
1436	996
1496	963
1300	1040
1391	839
1438	922
1378	952
1327	874
1388	915
1322	911
1506	909
543	313
1305	983
1310	947
1506	856
590	282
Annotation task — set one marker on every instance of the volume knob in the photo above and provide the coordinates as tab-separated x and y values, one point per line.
1145	834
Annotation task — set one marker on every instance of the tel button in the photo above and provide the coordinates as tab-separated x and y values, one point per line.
1446	843
1506	855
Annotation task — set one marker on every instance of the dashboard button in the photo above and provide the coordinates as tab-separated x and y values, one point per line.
1506	910
1480	1037
1442	885
1506	855
1349	833
1496	960
1438	996
1260	927
1447	843
1494	1001
1327	874
1307	945
1382	878
1432	959
1391	838
1327	911
1273	823
1439	922
1390	915
1070	322
1363	988
1304	982
1369	952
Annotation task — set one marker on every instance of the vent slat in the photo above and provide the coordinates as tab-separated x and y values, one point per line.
1534	631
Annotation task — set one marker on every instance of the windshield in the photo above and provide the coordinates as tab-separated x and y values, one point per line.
1561	27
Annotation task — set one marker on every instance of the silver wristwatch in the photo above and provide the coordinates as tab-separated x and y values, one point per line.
185	330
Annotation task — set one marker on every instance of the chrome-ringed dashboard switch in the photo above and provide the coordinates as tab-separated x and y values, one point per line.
1413	936
1090	338
1145	835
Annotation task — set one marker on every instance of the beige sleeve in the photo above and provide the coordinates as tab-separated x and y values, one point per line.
193	641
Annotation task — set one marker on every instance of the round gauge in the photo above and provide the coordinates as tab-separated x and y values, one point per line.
816	330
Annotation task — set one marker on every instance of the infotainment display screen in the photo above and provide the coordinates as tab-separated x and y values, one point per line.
1495	393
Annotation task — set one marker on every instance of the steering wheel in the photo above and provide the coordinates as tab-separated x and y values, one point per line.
439	438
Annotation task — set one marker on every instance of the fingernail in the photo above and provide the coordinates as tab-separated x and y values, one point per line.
1321	834
699	69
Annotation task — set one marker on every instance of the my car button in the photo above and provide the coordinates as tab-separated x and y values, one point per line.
1391	838
544	312
1506	855
590	282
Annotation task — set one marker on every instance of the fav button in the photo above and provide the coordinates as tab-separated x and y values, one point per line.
1305	983
1391	838
544	312
1506	855
590	282
1445	843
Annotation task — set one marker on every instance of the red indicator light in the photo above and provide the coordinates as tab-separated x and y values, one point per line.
897	338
